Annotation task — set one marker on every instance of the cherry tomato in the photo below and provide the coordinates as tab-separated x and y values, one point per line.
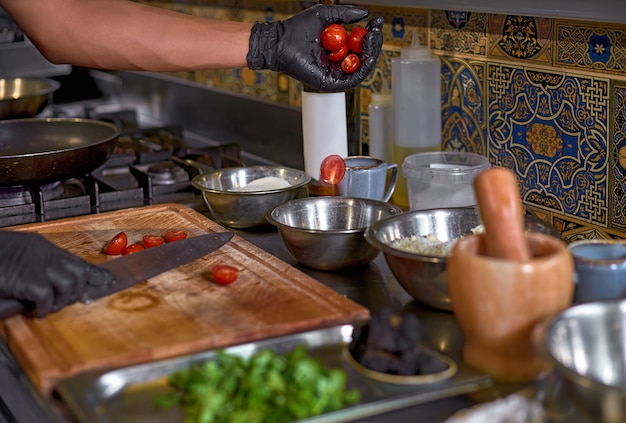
175	235
334	37
351	63
339	55
355	39
133	248
150	241
224	274
333	169
116	245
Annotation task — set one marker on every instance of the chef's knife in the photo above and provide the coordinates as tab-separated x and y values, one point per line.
131	269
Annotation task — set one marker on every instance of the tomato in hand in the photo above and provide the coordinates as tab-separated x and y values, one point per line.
333	169
355	39
133	248
351	63
224	274
175	235
150	241
339	55
116	245
334	37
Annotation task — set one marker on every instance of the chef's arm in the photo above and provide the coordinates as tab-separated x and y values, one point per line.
124	35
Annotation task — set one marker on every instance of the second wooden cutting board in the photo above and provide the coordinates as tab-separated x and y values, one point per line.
175	313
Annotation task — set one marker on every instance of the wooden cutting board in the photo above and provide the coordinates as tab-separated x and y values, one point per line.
178	312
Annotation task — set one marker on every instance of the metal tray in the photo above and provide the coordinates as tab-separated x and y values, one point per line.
127	394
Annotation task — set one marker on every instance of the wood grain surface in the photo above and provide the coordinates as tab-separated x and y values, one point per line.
178	312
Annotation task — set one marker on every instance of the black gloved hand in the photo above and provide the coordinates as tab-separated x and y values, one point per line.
43	276
293	46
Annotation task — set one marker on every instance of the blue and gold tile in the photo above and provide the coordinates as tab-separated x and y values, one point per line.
463	105
521	38
459	32
552	129
590	46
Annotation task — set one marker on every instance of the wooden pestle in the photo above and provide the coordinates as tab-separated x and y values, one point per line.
502	214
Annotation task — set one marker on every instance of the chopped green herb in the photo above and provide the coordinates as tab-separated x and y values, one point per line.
266	388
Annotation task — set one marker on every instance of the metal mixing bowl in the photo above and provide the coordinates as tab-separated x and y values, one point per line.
326	233
587	345
424	276
25	97
246	209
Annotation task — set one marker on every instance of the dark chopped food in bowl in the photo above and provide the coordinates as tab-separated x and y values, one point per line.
391	343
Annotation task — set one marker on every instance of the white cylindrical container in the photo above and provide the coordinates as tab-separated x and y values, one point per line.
381	126
416	93
324	128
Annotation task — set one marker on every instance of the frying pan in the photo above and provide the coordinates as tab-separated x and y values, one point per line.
37	151
25	97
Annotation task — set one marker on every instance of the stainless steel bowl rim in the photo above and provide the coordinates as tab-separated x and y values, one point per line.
270	214
198	181
52	87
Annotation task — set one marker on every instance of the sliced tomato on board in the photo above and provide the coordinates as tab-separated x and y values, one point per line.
150	241
116	245
175	235
333	169
224	274
133	248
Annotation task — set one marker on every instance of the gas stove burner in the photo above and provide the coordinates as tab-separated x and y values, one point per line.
167	173
17	196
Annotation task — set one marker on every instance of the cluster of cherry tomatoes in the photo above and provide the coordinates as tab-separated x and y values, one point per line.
119	243
342	46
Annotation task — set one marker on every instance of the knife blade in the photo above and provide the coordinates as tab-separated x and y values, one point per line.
132	269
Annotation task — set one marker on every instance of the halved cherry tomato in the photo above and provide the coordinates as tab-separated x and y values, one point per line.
333	169
339	55
334	37
116	245
224	274
133	248
175	235
150	241
351	63
355	39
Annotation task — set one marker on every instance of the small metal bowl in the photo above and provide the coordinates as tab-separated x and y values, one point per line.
424	276
25	97
223	193
587	345
326	233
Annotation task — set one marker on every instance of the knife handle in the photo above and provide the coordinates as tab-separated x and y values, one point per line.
10	307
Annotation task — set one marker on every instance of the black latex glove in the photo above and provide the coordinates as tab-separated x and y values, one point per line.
293	46
43	276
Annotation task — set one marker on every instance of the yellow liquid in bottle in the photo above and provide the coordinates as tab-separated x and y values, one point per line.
400	195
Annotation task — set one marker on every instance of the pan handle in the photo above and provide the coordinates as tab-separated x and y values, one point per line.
10	307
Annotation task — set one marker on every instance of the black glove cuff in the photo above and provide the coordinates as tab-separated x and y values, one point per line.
262	39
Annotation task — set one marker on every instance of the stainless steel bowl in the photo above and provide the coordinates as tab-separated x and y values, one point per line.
587	345
424	276
246	209
25	97
326	233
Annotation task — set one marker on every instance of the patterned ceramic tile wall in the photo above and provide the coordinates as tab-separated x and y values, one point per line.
544	97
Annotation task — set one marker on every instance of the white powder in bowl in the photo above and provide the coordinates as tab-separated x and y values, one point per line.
267	183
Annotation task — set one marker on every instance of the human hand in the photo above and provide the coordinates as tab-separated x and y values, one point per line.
44	277
293	46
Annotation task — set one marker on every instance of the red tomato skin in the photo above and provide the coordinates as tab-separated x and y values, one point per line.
117	244
334	37
133	248
150	241
333	169
224	274
175	235
351	63
339	55
355	39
